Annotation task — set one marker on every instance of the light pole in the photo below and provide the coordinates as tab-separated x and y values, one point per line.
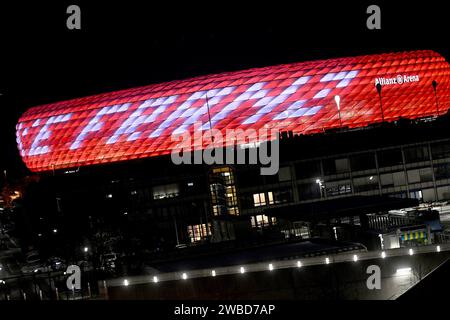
337	99
381	103
434	84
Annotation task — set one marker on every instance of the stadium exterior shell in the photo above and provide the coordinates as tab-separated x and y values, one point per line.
298	97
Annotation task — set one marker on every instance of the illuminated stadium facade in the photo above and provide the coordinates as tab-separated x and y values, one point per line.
339	162
298	97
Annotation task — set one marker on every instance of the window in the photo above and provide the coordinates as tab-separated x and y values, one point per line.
416	154
335	166
307	169
165	191
440	150
420	175
262	221
365	183
442	171
388	158
309	191
260	199
416	194
365	161
198	232
283	195
335	188
393	179
284	174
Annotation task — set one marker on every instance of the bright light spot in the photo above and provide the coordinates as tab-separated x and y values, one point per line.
155	279
184	276
270	266
299	264
109	196
355	257
337	99
318	181
411	252
2	282
55	230
383	254
190	184
327	260
36	270
125	213
86	249
213	273
242	270
403	271
371	178
438	249
125	282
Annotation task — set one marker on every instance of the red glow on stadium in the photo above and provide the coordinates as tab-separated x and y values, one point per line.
298	97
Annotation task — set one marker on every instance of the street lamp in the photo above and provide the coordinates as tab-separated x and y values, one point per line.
337	99
321	187
434	84
381	103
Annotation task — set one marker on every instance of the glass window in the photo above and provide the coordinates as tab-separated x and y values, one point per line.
262	220
368	183
416	154
335	166
309	191
335	188
259	199
198	232
442	171
388	158
308	169
365	161
440	150
165	191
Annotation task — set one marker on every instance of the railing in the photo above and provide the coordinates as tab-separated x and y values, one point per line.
272	265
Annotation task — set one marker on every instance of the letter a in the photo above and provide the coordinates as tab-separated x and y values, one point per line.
74	280
374	20
374	280
74	20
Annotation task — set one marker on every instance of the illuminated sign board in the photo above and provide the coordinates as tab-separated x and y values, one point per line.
298	97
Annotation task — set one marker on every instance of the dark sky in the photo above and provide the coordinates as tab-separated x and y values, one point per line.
128	43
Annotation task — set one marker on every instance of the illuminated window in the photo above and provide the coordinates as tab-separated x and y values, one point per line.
198	232
262	221
165	191
262	199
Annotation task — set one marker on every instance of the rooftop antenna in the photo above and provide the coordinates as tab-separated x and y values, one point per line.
434	84
381	103
209	118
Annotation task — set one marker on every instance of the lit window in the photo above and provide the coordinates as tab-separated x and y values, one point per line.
262	221
198	232
259	199
165	191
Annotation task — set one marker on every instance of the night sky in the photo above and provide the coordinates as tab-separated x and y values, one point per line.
125	44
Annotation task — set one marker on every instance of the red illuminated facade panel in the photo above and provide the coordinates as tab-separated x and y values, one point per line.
301	97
